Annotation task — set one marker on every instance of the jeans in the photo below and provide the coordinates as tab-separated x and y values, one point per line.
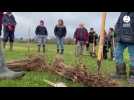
8	36
41	39
60	43
79	48
120	47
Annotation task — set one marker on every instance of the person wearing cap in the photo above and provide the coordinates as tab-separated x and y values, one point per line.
81	37
1	16
60	33
41	34
92	41
9	24
124	30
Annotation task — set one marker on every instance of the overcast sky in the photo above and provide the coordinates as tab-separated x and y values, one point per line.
29	20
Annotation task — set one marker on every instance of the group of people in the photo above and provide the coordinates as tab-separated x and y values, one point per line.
82	38
90	39
115	42
81	35
59	31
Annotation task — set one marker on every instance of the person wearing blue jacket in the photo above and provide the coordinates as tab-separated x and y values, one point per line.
124	30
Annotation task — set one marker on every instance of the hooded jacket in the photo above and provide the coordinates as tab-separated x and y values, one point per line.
124	28
8	21
41	30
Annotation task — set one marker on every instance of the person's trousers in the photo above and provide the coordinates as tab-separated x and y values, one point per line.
0	29
119	51
79	48
60	43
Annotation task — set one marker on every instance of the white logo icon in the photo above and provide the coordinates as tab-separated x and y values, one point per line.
126	19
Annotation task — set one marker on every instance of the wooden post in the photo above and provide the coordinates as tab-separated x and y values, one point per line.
29	41
101	41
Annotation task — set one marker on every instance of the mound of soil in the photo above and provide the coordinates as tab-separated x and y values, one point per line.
76	74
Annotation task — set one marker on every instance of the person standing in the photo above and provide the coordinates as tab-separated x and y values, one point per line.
60	33
41	34
105	47
111	42
9	24
124	30
81	38
92	41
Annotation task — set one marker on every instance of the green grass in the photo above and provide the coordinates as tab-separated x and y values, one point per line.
36	79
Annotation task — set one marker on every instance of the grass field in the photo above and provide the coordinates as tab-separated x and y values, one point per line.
35	79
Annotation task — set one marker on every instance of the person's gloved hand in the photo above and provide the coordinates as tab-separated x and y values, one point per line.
86	42
10	27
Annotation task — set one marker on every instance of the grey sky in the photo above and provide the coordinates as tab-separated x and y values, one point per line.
29	20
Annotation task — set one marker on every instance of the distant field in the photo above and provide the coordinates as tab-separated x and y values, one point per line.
35	79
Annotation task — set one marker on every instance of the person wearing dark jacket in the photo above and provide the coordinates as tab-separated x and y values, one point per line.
111	42
105	47
124	30
81	38
92	41
1	16
41	35
9	24
60	33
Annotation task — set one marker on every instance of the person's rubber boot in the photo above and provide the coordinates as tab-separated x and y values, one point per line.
111	55
87	48
4	45
120	72
62	51
6	73
38	48
90	54
44	49
131	75
11	46
57	50
93	54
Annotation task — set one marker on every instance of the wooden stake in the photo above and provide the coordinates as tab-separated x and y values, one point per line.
101	41
29	41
